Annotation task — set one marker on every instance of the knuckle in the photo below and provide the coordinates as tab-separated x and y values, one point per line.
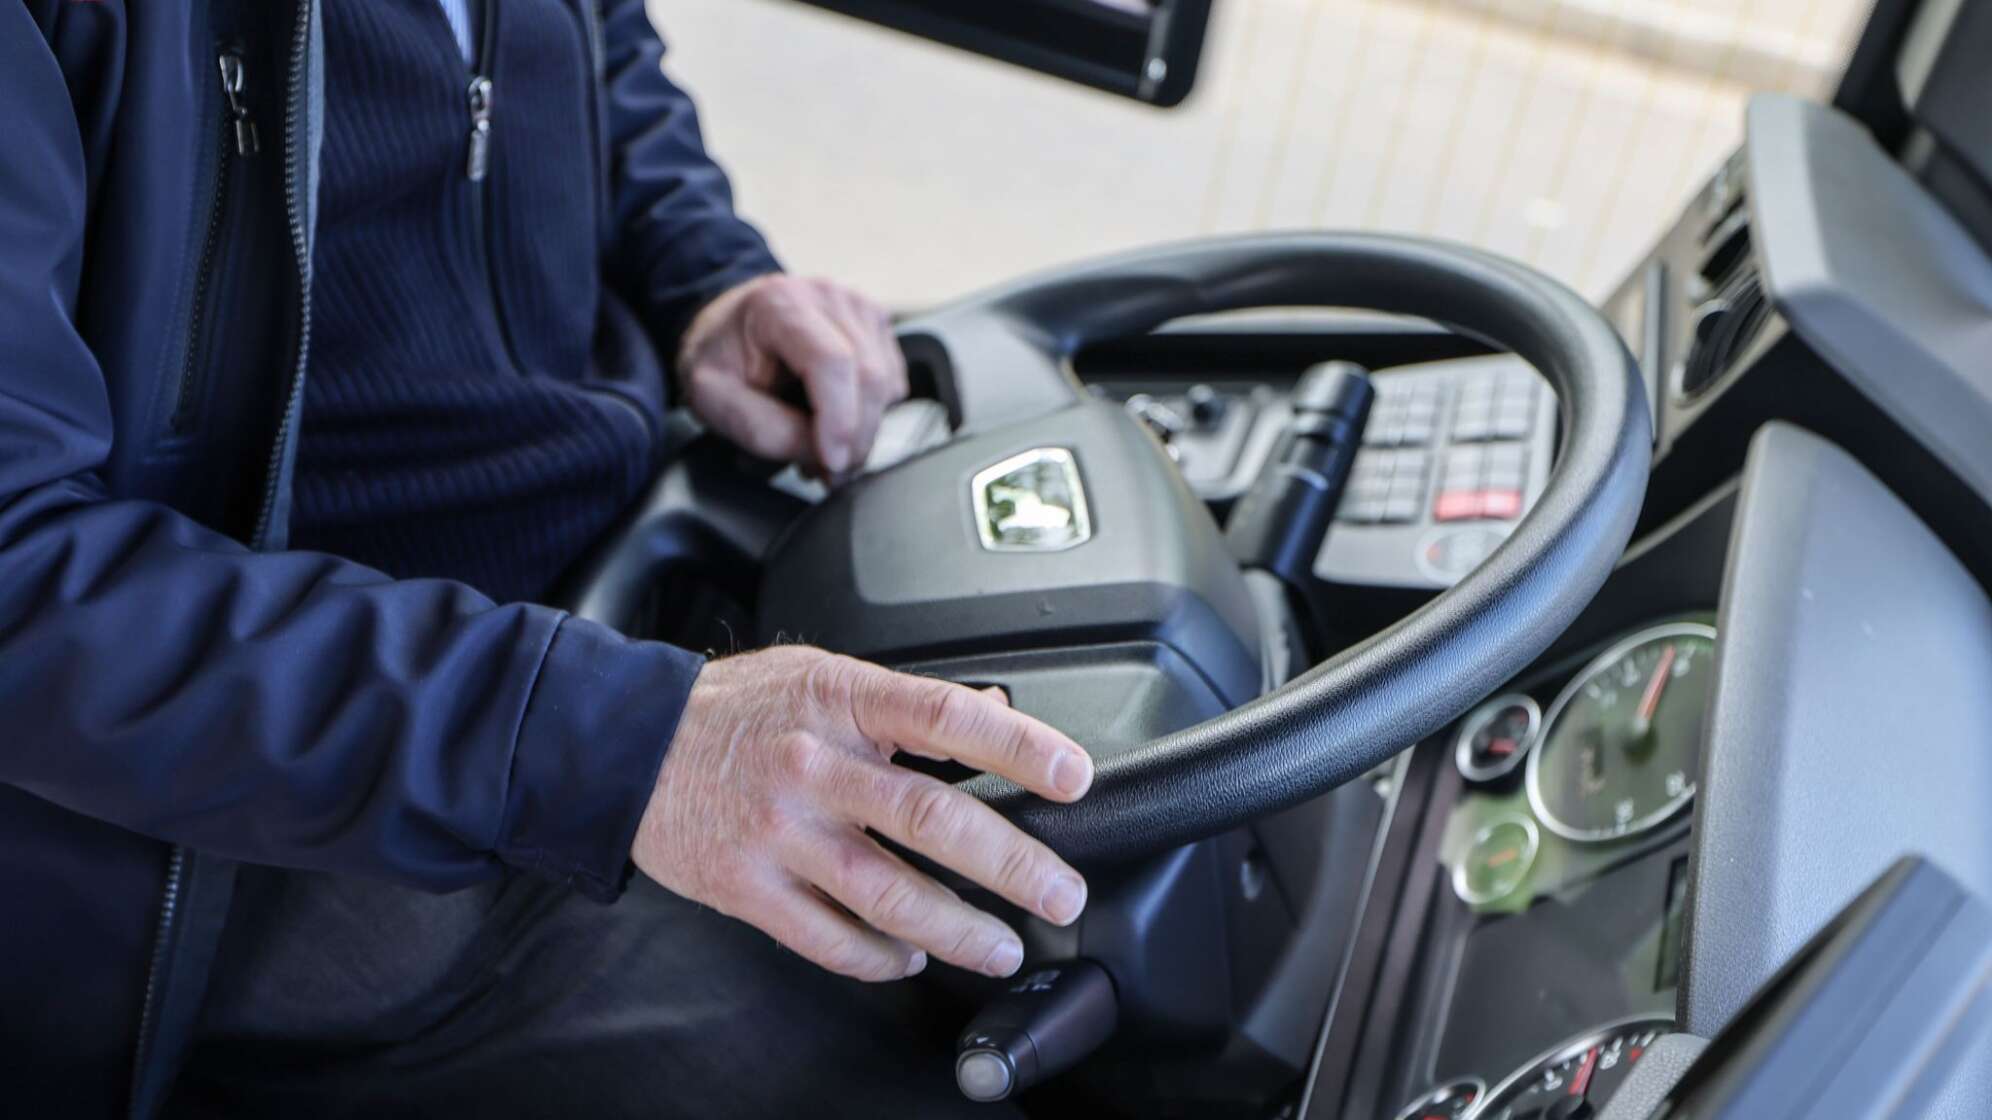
772	820
840	953
826	681
897	902
950	710
1016	868
970	945
930	815
797	756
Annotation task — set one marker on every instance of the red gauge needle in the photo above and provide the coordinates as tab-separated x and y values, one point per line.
1581	1084
1654	687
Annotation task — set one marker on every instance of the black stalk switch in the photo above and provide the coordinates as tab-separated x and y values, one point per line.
1048	1020
1281	521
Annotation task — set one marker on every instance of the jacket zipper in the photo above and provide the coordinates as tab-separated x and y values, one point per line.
238	139
162	939
239	135
477	169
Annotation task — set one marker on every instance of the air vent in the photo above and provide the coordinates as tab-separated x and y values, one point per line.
1725	325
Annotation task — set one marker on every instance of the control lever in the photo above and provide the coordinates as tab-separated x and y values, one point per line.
1048	1021
1281	521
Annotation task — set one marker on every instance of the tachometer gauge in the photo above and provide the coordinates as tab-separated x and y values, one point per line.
1573	1081
1450	1101
1622	743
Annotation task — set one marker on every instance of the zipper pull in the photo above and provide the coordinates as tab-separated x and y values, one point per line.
479	162
246	140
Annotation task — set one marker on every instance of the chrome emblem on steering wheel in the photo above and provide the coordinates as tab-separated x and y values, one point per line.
1033	502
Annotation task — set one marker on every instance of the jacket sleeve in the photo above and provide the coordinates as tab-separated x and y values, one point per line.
675	241
282	708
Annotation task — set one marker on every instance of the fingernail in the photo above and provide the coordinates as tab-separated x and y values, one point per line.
1064	900
1071	774
1004	959
836	457
917	965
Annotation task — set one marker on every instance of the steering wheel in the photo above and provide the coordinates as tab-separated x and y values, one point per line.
895	566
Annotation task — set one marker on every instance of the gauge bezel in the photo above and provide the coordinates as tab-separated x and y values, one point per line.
1479	718
1528	861
1424	1100
1532	777
1563	1052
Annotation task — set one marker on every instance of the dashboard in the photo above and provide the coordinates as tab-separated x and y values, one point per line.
1528	940
1529	915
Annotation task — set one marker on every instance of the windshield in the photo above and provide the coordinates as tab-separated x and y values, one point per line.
1565	133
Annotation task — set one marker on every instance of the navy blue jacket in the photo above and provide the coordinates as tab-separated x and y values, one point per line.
177	691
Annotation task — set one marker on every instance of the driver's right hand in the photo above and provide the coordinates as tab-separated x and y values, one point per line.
781	764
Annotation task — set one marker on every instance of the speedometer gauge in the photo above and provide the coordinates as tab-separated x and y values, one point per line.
1574	1080
1622	743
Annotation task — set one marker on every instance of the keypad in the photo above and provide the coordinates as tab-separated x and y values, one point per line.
1482	463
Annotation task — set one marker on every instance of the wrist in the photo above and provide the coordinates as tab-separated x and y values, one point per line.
712	317
603	712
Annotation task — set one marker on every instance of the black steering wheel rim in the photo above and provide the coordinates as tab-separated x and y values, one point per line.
1340	719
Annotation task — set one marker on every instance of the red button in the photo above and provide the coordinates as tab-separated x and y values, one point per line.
1502	505
1459	505
1474	505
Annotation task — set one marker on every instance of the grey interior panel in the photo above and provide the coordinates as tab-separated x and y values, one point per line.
1851	723
1876	276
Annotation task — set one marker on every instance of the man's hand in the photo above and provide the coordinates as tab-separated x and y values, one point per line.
745	344
781	763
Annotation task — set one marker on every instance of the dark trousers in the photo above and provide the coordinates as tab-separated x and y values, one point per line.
342	997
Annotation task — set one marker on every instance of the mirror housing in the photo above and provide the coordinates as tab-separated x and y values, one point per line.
1144	49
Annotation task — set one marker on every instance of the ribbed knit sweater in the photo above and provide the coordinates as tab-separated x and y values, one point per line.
454	423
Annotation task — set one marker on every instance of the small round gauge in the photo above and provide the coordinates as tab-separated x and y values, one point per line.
1496	737
1497	862
1576	1079
1450	1101
1622	742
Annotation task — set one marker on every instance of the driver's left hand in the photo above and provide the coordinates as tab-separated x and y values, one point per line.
743	347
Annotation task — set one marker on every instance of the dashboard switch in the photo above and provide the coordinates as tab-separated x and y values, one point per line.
1049	1019
1281	521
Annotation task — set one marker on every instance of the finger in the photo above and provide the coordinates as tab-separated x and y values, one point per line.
805	340
874	326
995	692
884	891
755	420
881	364
938	719
958	832
797	917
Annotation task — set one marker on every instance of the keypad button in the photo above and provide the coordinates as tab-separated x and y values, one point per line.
1501	505
1400	510
1373	487
1506	456
1511	424
1472	427
1458	505
1360	511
